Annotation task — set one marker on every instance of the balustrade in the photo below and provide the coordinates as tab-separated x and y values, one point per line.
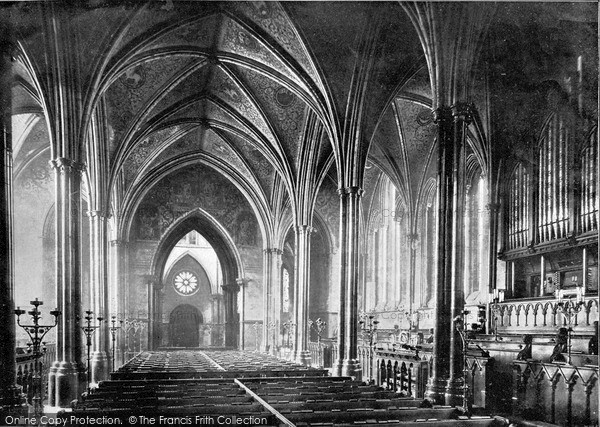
555	392
25	361
519	316
402	371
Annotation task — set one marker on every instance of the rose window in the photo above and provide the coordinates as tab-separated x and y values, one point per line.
186	283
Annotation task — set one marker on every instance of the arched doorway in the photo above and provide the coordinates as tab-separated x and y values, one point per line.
184	323
230	266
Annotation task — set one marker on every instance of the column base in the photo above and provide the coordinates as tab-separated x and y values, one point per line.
351	368
66	382
436	391
13	402
336	369
455	389
303	357
100	366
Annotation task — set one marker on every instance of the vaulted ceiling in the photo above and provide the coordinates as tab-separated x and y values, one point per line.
259	91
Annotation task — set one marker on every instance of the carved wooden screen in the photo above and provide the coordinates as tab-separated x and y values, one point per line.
520	198
553	212
589	200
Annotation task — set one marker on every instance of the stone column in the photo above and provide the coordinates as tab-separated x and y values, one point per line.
276	298
461	115
436	386
100	361
348	364
267	290
230	293
118	293
154	289
11	399
67	378
445	384
301	298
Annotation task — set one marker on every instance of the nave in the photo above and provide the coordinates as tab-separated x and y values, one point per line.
219	387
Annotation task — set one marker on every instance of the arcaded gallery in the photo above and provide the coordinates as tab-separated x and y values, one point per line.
324	213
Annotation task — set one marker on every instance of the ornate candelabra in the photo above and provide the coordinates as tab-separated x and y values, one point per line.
459	324
497	296
271	328
89	330
113	328
256	327
288	326
129	325
569	310
319	326
368	327
37	347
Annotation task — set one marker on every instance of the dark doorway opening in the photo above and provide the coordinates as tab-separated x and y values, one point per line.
184	326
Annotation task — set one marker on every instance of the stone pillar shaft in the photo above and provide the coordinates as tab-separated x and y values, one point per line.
10	394
276	297
267	290
230	293
348	363
67	375
100	358
445	384
301	288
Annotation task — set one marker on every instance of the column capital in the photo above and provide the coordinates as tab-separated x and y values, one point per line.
94	213
305	228
62	164
442	114
492	207
231	287
463	111
350	190
275	251
119	242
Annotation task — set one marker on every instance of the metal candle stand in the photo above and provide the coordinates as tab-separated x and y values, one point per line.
113	328
271	329
368	328
36	333
459	324
496	297
288	326
256	327
319	326
569	310
89	330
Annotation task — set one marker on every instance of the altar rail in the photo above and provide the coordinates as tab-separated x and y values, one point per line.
402	372
518	316
556	393
25	367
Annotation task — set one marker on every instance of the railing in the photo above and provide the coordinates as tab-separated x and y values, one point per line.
25	368
402	372
485	387
556	393
519	316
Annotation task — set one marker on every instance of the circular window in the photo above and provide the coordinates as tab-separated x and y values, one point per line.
185	283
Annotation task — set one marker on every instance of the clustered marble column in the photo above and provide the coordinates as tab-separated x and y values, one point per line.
347	363
446	382
100	363
301	298
67	376
11	401
230	293
118	297
271	294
